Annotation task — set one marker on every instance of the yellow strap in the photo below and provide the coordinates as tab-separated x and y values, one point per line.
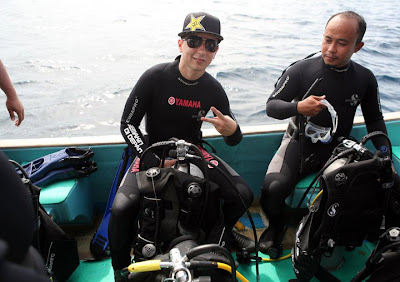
143	266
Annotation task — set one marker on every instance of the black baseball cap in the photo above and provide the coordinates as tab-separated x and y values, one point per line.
201	22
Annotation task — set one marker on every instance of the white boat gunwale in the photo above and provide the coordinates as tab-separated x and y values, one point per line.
118	139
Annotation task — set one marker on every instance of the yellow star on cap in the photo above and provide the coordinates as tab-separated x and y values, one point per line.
195	23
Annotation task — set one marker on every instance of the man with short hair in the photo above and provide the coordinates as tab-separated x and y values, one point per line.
175	98
323	91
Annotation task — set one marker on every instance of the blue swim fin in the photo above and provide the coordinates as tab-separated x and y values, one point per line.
78	170
99	245
67	157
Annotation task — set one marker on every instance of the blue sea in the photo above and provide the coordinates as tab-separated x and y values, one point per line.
74	62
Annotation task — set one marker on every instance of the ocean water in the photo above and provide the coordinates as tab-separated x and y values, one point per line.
74	62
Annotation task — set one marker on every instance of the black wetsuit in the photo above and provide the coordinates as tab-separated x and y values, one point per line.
345	89
172	107
19	261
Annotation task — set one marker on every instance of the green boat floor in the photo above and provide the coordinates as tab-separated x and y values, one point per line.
93	271
101	271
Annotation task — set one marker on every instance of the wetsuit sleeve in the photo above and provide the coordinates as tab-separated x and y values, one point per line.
282	103
136	107
373	117
235	138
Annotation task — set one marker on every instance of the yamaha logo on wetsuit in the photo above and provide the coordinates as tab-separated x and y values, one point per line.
183	102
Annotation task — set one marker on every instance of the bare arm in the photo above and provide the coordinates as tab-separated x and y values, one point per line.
13	103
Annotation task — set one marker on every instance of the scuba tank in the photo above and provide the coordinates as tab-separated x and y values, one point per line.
182	164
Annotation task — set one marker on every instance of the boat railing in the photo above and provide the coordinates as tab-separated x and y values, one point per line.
117	139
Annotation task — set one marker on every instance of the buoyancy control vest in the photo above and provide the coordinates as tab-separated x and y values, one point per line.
58	250
172	205
356	187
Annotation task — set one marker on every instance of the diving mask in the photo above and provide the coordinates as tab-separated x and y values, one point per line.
320	133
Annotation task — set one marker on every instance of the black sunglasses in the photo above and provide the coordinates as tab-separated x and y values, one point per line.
196	41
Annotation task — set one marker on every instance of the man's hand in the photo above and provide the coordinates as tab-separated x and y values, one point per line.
170	163
15	105
311	106
224	124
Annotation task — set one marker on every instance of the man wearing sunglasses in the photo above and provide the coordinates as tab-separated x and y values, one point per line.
321	93
174	98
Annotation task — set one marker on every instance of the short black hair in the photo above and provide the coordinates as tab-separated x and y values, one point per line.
362	25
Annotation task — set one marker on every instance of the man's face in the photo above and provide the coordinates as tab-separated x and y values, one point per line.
339	42
195	60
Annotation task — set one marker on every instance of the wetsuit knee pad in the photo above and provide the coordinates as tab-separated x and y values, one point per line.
245	193
126	205
274	191
276	184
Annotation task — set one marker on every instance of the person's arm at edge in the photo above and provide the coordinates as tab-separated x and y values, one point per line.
13	103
